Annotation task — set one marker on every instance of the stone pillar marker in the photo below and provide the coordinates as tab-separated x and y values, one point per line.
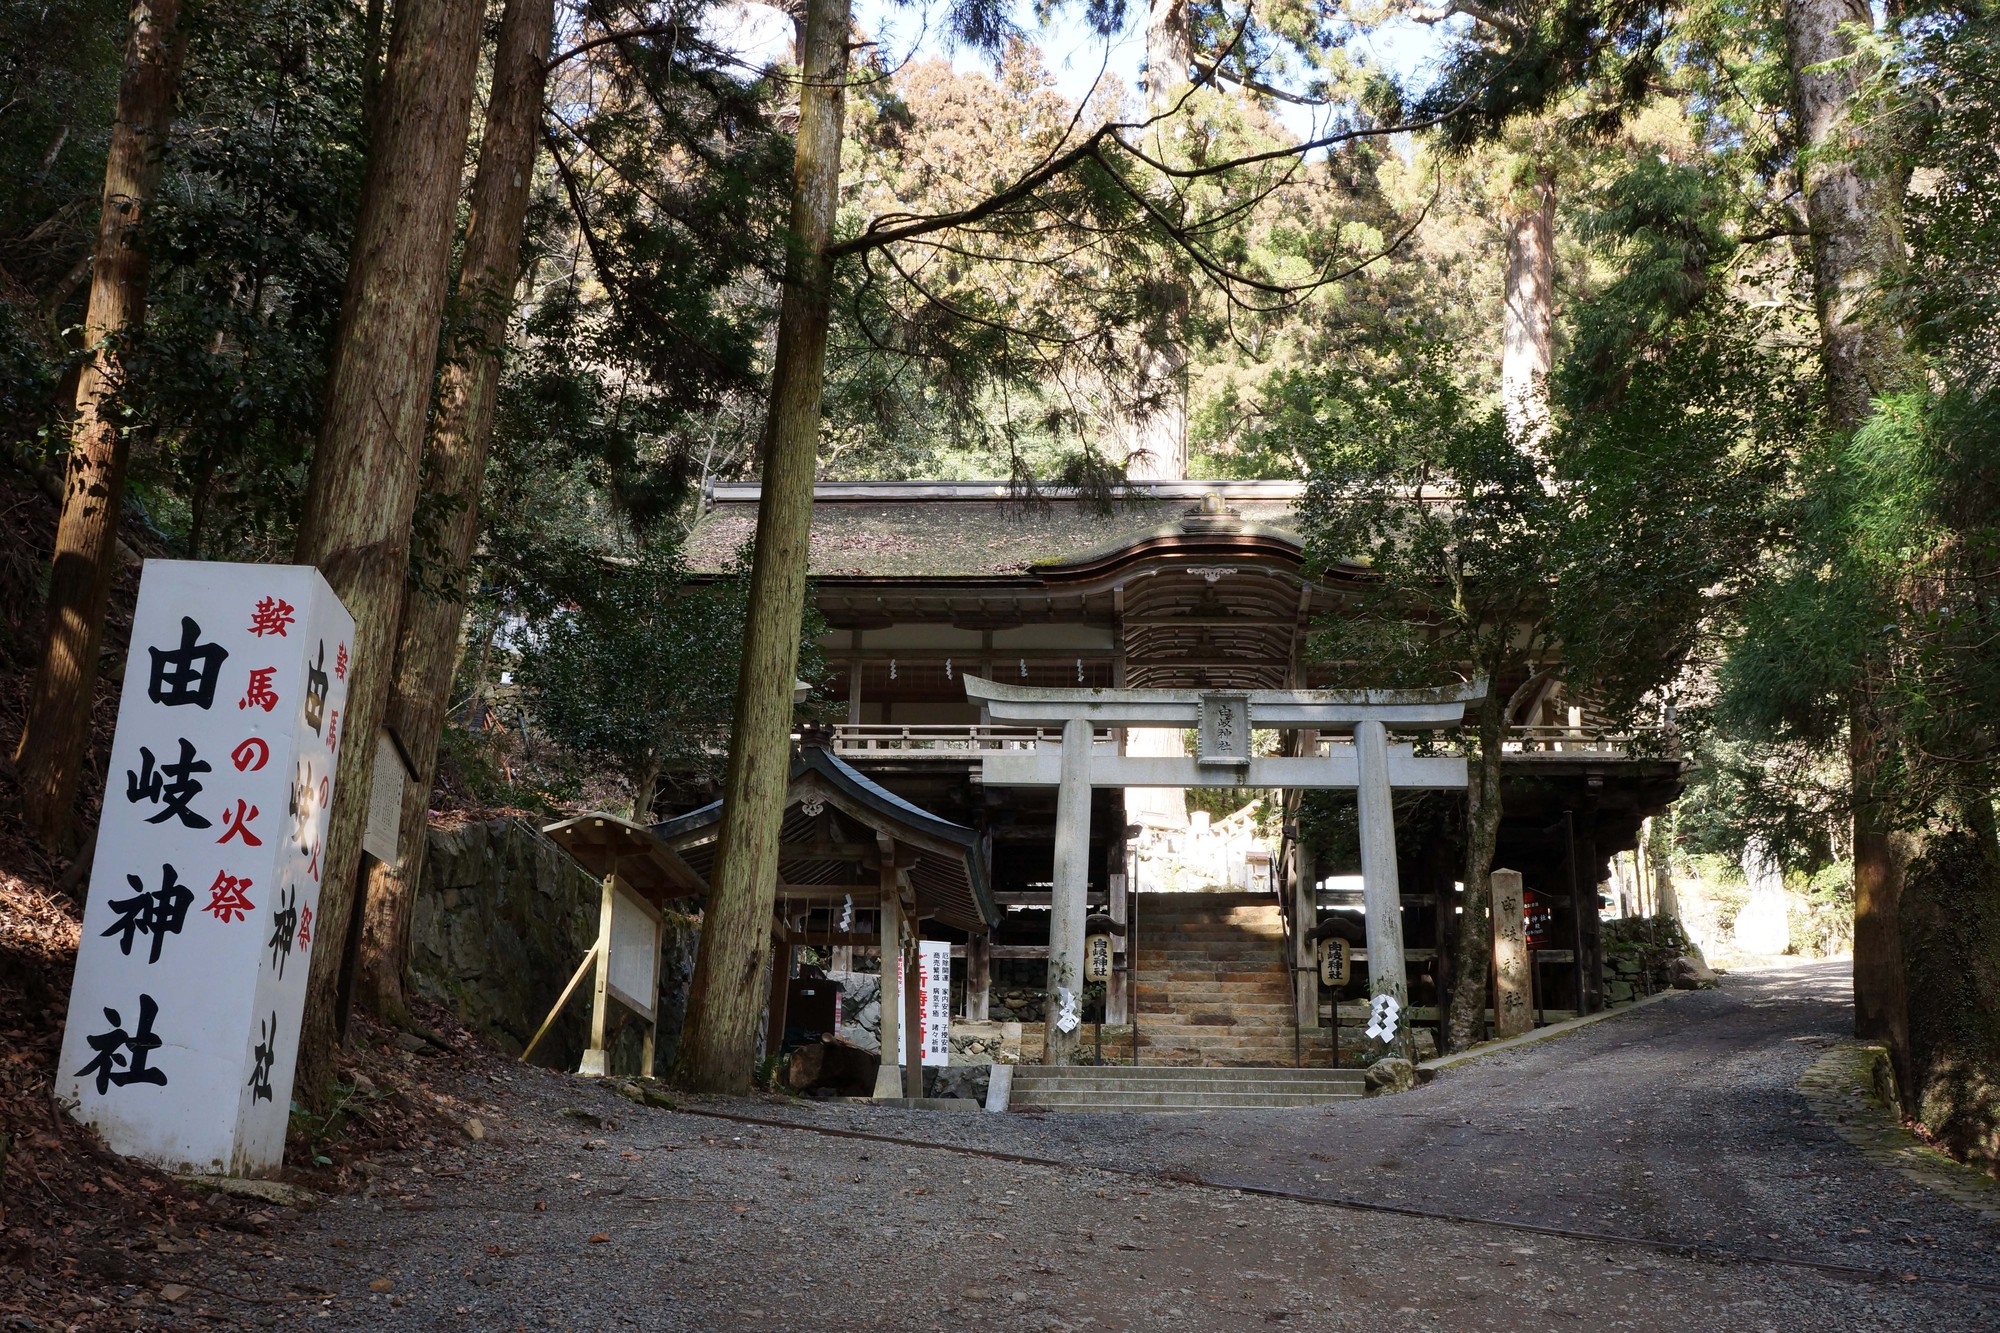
1070	896
1117	990
1381	890
191	974
978	977
1513	1012
888	1075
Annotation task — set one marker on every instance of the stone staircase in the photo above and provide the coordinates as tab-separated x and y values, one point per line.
1177	1088
1213	986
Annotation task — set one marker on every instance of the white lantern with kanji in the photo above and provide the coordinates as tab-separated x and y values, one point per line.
1336	961
1098	930
191	976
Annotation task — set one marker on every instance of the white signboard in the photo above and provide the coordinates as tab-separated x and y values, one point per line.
190	981
634	978
933	1000
385	803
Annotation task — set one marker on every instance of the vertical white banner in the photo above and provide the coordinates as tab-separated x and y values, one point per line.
933	1001
190	980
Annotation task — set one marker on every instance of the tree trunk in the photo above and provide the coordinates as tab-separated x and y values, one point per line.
1472	948
1855	216
57	729
1950	917
1660	861
1154	431
427	637
363	488
1528	337
1880	999
719	1042
644	788
1855	220
1169	53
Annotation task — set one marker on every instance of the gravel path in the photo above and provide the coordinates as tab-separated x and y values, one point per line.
1677	1122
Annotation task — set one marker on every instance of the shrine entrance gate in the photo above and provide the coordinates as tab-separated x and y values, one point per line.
1369	764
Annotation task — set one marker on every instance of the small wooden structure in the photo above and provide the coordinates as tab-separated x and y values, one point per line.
641	875
849	845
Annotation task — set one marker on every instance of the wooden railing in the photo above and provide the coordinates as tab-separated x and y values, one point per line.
960	743
945	743
1651	742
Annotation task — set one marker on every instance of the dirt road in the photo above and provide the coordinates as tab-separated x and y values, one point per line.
1676	1123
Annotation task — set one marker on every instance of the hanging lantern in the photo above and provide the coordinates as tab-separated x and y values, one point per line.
1098	930
1336	962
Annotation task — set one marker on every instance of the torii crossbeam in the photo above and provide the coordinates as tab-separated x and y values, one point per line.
1373	768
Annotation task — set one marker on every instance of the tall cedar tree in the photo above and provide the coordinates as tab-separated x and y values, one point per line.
725	999
50	750
455	469
1854	216
363	487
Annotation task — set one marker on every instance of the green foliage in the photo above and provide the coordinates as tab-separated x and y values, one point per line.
250	237
247	238
641	677
1417	485
1822	923
59	65
1540	57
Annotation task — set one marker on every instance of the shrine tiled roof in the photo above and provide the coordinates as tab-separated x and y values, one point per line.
978	530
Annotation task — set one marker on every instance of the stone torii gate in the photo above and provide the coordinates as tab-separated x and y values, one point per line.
1373	767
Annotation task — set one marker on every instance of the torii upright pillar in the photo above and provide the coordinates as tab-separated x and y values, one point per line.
1069	897
1381	887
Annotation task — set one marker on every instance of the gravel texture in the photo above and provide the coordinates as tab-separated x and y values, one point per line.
1679	1122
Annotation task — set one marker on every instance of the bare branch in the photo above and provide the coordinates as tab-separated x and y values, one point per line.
1215	71
1473	10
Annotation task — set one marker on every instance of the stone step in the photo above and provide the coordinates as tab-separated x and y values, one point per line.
1129	1088
1044	1075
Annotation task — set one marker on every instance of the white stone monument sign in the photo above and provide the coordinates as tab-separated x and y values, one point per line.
191	977
933	1001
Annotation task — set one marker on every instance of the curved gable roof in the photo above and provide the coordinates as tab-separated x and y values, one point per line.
948	878
981	530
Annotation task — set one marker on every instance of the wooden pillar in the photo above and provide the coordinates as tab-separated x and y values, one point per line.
1441	861
1590	924
854	692
887	1081
595	1063
1069	904
1305	916
1513	998
978	978
1381	888
913	1013
1116	1008
781	994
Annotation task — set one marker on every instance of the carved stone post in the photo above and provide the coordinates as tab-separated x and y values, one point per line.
1513	1008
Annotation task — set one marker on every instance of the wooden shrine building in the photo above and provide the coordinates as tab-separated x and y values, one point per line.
1183	585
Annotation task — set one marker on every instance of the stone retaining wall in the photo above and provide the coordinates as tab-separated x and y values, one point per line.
500	923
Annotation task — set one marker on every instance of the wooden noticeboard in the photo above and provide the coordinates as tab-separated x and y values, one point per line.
634	929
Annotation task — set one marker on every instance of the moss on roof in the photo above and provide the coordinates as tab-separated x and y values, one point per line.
956	538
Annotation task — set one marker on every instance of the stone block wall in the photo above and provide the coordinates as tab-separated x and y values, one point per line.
500	923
